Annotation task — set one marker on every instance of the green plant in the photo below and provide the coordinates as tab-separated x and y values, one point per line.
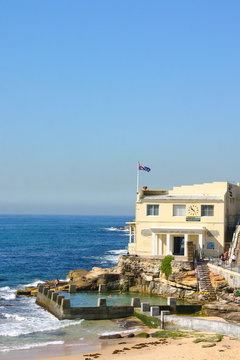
143	335
164	334
207	338
150	321
166	267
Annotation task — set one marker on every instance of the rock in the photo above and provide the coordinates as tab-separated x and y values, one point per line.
233	316
228	311
23	292
131	335
218	281
113	336
208	345
76	275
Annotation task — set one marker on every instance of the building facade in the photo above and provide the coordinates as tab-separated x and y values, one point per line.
167	221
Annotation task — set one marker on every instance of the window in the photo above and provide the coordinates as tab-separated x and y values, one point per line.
179	210
207	210
152	210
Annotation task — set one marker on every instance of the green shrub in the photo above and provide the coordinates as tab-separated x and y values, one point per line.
166	267
164	334
207	338
143	335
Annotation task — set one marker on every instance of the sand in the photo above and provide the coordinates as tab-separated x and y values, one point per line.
164	349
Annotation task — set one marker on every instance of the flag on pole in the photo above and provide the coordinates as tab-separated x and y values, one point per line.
142	167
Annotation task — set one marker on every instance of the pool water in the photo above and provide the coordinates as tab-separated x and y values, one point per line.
112	298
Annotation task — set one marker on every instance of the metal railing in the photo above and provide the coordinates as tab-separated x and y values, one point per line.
224	264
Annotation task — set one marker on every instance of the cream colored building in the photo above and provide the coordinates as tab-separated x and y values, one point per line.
167	220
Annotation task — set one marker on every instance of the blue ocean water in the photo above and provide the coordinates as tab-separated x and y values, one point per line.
38	248
46	247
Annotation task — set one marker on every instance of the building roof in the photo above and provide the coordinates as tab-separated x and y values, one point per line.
181	197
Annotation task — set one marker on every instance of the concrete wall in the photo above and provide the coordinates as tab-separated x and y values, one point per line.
232	277
190	323
61	308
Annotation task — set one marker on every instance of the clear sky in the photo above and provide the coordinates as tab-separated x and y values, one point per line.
88	88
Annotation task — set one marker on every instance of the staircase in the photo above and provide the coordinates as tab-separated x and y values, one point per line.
235	246
204	282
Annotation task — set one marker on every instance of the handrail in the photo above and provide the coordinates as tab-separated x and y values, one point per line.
235	239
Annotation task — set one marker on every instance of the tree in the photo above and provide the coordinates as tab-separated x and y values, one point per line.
166	267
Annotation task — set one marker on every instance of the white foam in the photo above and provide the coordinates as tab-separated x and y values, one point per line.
8	296
121	331
6	293
110	258
31	346
34	283
118	252
40	322
15	317
116	229
5	288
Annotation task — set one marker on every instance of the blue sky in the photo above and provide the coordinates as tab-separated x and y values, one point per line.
88	88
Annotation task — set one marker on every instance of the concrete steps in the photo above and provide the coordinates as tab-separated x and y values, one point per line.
204	282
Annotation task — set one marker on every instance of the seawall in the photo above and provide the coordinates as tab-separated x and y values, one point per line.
62	309
190	323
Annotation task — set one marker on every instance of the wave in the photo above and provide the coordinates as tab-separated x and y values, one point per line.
122	332
118	252
15	317
111	256
120	228
6	293
31	346
5	288
34	283
33	325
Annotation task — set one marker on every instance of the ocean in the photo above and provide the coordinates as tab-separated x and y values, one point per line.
38	248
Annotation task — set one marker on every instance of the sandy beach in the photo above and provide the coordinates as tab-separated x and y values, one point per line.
155	348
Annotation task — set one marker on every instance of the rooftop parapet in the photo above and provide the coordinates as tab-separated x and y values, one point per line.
143	192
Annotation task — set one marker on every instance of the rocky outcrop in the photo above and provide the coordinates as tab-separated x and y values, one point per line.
142	275
226	310
32	291
219	283
90	280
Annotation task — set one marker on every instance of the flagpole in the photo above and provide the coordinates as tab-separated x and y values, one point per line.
137	177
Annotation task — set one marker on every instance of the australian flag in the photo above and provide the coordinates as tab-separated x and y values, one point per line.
142	167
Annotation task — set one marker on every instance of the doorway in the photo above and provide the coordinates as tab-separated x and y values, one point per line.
178	246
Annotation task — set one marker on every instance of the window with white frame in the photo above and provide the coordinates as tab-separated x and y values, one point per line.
152	210
179	210
207	210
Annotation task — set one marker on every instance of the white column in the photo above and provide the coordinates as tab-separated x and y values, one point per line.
200	241
168	244
154	244
130	234
160	244
185	244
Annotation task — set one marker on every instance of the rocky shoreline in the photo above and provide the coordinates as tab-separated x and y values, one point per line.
141	275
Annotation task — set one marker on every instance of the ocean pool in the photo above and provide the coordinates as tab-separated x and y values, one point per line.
113	298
